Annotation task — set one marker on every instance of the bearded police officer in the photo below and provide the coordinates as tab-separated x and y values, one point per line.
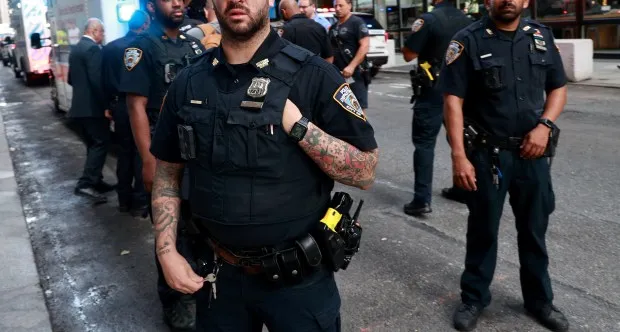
151	63
429	39
501	130
263	150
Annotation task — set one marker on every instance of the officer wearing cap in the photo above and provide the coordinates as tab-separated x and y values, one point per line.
152	62
268	144
429	39
304	32
131	194
501	128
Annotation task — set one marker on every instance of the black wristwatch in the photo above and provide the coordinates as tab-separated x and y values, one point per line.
547	123
299	129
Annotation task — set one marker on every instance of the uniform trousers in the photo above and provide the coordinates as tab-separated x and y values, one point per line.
130	187
244	303
528	182
427	120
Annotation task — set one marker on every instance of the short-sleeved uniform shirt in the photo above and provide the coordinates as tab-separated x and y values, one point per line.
503	78
315	93
308	34
319	92
139	76
349	33
113	65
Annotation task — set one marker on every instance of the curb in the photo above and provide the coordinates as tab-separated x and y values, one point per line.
582	83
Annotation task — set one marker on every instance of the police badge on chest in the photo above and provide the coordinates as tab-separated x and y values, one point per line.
539	41
257	90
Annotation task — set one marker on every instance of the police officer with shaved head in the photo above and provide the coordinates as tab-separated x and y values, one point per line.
151	63
265	128
130	188
504	87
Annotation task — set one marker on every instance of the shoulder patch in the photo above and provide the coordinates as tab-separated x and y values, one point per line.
280	32
455	49
417	25
132	57
345	97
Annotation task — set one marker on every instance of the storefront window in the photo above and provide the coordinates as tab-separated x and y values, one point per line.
602	9
364	6
556	10
410	10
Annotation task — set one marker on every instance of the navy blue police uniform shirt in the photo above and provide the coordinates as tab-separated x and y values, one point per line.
139	76
307	33
349	33
503	80
320	93
113	64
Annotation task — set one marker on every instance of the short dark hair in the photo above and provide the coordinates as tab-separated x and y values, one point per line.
138	19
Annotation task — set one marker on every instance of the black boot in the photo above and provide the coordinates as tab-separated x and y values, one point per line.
550	317
466	317
181	316
417	209
455	194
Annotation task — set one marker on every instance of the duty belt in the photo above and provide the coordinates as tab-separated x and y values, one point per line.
504	143
291	261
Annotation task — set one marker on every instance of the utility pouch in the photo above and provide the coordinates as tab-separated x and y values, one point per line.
271	268
187	142
291	265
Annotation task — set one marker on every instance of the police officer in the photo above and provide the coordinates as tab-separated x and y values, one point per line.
151	64
268	144
350	42
131	195
193	16
497	73
305	32
208	33
429	39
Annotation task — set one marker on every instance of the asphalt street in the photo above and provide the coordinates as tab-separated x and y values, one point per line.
406	276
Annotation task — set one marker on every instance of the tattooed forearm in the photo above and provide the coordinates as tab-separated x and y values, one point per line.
166	203
340	160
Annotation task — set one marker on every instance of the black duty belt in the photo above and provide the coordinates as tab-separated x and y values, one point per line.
504	143
290	261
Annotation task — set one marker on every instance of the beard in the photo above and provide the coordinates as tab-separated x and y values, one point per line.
241	31
168	21
506	12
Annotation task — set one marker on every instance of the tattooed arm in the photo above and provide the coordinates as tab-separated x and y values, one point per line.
340	160
166	204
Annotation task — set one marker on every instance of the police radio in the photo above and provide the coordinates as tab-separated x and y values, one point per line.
342	234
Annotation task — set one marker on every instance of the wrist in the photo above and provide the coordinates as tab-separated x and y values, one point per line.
459	154
540	125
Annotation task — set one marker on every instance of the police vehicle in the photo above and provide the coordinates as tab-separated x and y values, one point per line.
67	19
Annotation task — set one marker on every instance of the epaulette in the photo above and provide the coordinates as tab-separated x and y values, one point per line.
200	57
535	23
475	26
296	52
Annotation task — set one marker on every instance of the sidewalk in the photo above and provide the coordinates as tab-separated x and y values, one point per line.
22	306
605	74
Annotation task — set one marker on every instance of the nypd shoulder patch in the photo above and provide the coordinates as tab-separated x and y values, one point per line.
280	32
132	57
455	49
345	97
417	25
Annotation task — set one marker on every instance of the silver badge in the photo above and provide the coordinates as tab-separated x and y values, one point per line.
258	87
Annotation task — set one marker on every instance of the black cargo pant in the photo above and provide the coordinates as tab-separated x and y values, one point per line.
532	199
130	187
427	120
245	302
167	295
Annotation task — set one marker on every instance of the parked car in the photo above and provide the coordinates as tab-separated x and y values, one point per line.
378	51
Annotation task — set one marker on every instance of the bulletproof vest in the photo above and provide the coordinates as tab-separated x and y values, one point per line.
451	21
168	61
247	171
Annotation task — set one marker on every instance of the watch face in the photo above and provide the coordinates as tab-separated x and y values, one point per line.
298	131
